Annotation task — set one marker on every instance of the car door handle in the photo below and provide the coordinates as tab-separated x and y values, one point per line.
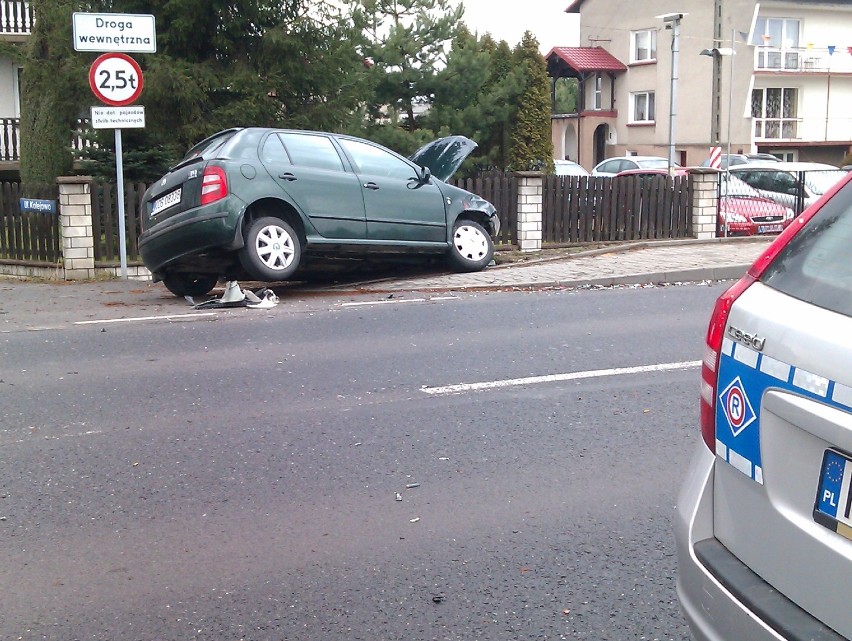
371	185
287	176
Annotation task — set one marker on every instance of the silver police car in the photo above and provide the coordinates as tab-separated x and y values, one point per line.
764	519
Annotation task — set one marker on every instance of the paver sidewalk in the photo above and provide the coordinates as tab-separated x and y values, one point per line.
662	262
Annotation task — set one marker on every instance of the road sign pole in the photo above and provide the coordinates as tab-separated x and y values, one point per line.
119	196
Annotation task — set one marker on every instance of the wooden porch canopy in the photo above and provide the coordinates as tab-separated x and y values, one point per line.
581	63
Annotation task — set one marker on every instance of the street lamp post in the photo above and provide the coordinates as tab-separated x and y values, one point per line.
672	21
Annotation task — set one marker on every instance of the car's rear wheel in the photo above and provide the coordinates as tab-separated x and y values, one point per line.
272	249
184	284
472	248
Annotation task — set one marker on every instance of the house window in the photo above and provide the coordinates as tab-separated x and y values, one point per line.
775	112
598	90
643	45
777	41
643	107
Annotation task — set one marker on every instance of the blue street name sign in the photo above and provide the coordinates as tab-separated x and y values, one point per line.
41	206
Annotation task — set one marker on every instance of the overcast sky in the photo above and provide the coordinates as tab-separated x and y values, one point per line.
508	21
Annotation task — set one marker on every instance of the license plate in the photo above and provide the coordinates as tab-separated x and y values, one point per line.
770	229
172	198
833	506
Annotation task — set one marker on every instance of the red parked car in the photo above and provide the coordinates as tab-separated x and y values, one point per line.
742	210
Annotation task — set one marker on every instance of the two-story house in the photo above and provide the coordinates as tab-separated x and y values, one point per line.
16	21
771	76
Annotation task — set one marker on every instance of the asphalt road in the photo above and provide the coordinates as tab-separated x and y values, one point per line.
238	478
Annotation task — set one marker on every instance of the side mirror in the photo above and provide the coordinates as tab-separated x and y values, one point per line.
425	175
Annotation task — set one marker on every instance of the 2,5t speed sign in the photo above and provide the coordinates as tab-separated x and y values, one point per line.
116	79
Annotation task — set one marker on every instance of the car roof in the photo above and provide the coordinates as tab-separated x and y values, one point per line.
677	171
633	158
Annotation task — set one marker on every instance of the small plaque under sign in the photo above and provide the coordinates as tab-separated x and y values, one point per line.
118	117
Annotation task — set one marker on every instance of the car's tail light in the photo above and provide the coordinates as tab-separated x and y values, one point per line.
214	185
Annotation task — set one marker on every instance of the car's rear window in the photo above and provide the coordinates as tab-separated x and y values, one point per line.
206	147
815	266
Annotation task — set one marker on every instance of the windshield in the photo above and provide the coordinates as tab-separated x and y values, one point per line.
733	187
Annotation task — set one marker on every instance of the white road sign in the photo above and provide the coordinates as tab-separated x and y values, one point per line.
118	117
127	32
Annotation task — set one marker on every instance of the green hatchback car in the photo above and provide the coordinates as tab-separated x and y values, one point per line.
255	203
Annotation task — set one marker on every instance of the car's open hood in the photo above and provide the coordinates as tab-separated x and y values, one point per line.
444	156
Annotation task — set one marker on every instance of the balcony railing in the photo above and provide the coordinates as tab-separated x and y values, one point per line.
776	128
10	147
15	17
10	138
801	60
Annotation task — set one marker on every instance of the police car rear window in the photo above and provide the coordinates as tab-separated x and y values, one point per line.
815	266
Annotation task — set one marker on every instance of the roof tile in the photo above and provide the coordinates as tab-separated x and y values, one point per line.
587	58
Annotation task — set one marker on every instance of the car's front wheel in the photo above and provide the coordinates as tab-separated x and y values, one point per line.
472	248
272	249
184	284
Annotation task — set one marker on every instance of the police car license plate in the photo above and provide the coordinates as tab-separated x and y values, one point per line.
172	198
770	229
833	506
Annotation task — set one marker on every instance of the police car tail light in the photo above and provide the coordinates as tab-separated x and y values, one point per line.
214	185
710	362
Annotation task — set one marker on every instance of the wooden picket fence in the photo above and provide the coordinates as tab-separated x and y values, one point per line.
30	237
582	209
105	221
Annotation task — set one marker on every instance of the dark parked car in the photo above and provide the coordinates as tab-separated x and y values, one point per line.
254	202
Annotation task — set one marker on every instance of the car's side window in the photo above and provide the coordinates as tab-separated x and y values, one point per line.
309	150
377	162
784	183
750	178
273	151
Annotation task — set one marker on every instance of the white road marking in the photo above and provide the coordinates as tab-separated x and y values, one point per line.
391	301
550	378
145	318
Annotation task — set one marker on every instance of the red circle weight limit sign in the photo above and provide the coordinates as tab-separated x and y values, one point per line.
116	79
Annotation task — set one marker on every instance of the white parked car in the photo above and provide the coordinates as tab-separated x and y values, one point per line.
612	166
764	521
783	181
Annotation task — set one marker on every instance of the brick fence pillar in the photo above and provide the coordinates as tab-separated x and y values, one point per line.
705	201
530	199
75	219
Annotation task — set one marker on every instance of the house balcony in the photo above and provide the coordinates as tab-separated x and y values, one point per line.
16	20
10	141
777	129
801	60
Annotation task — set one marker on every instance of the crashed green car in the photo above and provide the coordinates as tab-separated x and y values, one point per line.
256	203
